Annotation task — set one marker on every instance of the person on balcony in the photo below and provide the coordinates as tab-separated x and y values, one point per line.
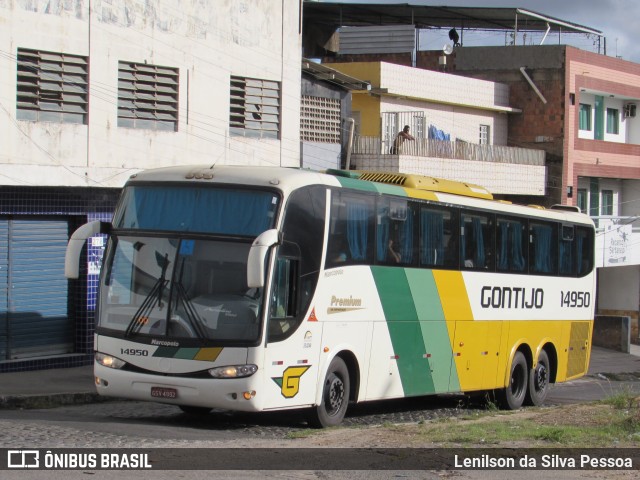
400	139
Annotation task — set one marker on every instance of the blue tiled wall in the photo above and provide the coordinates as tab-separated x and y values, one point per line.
78	205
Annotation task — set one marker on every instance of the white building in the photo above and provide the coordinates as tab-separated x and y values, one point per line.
93	91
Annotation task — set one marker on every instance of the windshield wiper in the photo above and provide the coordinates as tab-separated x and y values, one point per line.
141	317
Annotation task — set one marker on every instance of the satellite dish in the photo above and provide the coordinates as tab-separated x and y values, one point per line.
447	49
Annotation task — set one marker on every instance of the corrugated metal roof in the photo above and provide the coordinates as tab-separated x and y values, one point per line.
429	16
322	72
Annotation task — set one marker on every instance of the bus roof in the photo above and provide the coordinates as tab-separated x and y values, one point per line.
418	182
409	185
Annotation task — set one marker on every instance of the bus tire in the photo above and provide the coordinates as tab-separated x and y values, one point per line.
539	381
335	396
190	410
514	394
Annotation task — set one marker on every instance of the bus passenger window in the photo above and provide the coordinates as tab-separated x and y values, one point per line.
432	238
351	231
566	252
511	245
476	243
395	232
543	239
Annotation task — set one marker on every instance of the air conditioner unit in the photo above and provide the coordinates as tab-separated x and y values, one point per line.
630	110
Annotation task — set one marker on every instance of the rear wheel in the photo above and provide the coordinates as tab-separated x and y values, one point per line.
539	381
514	394
335	396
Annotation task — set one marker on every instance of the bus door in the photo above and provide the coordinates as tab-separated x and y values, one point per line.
292	341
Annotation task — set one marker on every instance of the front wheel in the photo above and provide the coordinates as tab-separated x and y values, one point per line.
539	381
335	396
514	394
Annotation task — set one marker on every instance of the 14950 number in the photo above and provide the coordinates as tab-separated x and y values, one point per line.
575	299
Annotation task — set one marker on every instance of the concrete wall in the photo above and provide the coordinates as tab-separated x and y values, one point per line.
207	42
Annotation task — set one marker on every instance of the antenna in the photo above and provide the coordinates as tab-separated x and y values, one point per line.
447	49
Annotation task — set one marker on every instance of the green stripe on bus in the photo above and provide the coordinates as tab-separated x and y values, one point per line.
436	336
187	353
357	184
404	330
165	352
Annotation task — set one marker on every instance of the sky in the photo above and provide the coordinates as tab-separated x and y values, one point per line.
617	19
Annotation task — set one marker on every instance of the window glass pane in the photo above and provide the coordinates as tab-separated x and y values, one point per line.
395	231
585	117
476	243
607	202
511	245
582	199
438	238
613	121
351	232
543	247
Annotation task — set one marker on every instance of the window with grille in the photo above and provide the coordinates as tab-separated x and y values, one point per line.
254	107
147	96
52	87
484	135
320	119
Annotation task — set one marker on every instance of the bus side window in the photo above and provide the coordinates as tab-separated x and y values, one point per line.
584	240
438	239
511	245
476	242
395	232
566	251
543	240
351	233
283	302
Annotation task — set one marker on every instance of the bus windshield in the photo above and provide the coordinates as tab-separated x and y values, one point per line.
179	288
202	209
163	278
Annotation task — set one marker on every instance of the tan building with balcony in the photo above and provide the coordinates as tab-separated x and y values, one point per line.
459	127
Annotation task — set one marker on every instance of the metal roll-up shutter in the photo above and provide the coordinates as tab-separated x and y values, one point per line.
38	318
4	288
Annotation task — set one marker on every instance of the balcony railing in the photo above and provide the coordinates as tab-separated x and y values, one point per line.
423	147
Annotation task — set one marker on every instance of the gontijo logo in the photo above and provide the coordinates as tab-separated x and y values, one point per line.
289	383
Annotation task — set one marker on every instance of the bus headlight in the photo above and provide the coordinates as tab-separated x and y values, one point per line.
109	361
233	371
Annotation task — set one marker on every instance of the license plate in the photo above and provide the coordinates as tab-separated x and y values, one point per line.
162	392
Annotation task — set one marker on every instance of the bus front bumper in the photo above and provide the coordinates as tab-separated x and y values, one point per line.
239	394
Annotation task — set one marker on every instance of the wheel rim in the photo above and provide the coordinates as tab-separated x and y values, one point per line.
541	377
334	394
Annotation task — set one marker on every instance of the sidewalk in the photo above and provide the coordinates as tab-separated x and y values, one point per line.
69	386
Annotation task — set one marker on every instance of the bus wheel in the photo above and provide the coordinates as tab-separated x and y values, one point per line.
513	396
539	381
194	410
335	396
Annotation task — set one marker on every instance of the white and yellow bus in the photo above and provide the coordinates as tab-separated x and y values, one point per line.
257	289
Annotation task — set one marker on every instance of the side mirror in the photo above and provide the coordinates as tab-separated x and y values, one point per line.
257	256
76	242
